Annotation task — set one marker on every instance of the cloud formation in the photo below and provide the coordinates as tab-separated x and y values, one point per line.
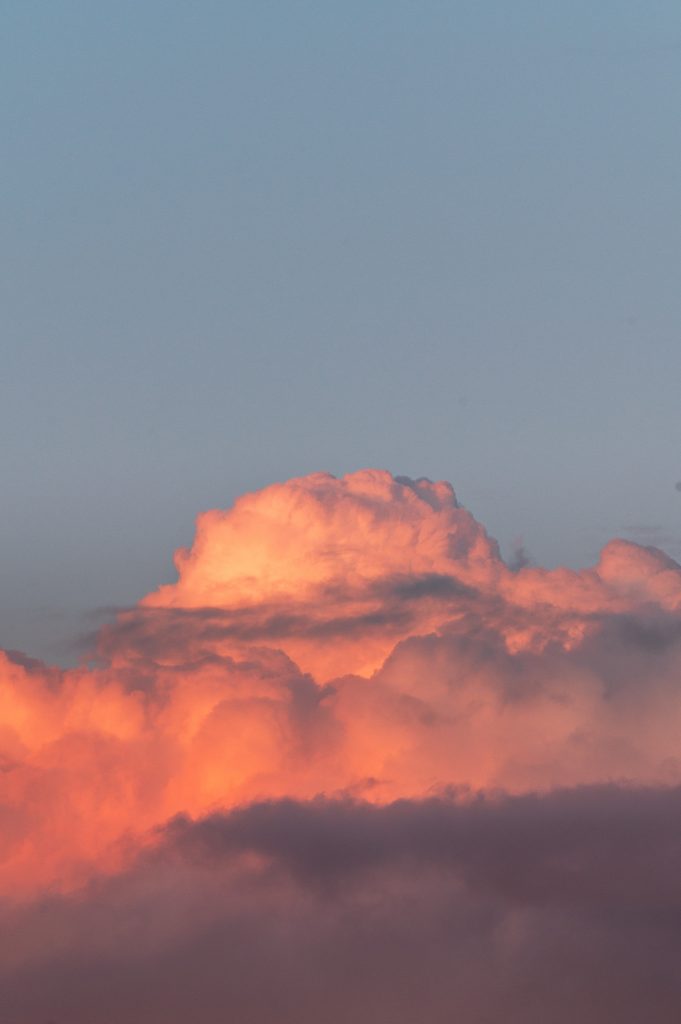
350	725
557	907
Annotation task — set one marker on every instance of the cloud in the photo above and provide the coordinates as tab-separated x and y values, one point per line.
535	849
533	908
371	641
351	743
520	557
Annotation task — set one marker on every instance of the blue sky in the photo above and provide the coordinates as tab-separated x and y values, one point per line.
245	241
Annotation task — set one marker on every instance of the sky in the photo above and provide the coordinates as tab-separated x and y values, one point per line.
340	595
246	241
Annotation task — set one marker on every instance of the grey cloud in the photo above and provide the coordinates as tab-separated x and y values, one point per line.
151	631
523	910
558	848
520	557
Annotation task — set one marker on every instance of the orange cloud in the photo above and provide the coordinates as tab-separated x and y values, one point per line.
332	636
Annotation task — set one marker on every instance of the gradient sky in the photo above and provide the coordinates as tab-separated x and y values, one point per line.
245	241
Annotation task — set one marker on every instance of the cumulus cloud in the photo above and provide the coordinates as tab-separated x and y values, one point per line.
349	725
328	636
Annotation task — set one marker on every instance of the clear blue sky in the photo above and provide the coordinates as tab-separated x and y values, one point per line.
246	240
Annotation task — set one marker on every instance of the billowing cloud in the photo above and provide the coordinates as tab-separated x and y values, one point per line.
346	716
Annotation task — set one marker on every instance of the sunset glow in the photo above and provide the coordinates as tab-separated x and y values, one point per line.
342	638
348	717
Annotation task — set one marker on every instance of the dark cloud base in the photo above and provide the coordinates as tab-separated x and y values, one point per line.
557	908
